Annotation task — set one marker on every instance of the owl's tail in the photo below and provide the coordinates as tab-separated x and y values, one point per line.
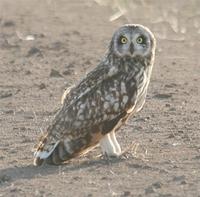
52	153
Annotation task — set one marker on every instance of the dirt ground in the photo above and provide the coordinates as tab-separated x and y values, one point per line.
68	39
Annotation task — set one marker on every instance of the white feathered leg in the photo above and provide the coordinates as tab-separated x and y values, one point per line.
108	146
115	142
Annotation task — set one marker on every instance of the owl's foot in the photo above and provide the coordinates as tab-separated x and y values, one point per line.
118	150
130	151
110	146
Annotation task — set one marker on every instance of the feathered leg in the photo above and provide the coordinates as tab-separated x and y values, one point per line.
115	142
110	146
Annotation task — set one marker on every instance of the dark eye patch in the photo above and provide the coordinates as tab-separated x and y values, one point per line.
122	39
141	39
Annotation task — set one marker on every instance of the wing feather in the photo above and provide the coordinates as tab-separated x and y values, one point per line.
95	100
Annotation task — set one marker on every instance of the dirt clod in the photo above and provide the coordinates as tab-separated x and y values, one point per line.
55	73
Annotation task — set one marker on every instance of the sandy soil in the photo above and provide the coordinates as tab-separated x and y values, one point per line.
70	38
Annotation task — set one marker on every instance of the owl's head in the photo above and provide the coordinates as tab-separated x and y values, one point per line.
133	40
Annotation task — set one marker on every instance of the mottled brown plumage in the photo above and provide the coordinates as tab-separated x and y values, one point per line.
99	104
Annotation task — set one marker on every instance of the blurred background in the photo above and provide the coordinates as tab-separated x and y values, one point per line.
29	20
171	19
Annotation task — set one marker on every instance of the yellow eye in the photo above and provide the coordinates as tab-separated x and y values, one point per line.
140	40
124	40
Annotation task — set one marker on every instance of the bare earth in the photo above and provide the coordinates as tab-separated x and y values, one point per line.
70	39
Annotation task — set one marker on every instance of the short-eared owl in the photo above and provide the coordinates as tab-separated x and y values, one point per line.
99	104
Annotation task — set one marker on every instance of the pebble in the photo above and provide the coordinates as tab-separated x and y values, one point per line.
55	73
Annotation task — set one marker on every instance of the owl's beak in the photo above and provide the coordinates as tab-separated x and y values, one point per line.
131	49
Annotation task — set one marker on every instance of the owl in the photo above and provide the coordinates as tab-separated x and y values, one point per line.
97	106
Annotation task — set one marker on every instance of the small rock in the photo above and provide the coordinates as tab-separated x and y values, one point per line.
183	182
162	96
65	51
13	151
76	33
55	73
180	131
2	157
126	193
56	45
68	72
22	128
165	144
77	178
197	157
136	166
195	111
9	111
171	85
4	178
175	166
8	23
26	140
171	135
88	62
165	195
5	94
104	178
28	72
27	116
167	105
70	65
33	51
140	120
157	185
179	178
149	190
40	35
4	42
42	86
14	189
172	109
